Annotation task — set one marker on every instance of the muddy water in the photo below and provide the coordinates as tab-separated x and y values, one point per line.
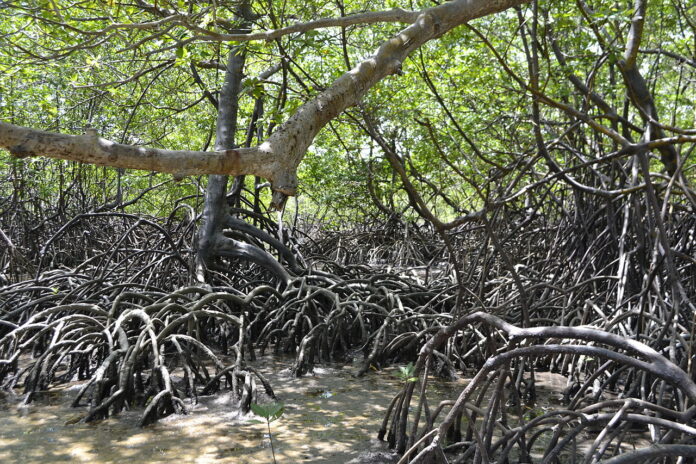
330	417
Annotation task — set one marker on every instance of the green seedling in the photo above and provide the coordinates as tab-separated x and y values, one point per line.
271	412
407	373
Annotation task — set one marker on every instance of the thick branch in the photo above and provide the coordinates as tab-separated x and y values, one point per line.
90	148
636	32
294	137
278	157
391	16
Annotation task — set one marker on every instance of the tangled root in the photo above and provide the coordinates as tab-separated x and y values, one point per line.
633	388
147	349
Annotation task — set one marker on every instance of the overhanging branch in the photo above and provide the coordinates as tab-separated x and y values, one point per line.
277	158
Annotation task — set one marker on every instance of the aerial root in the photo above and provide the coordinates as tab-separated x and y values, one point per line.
147	349
490	421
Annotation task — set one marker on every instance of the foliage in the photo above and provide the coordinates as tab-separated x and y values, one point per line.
271	412
407	373
537	164
455	117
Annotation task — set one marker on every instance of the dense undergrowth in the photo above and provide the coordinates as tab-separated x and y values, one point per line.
110	299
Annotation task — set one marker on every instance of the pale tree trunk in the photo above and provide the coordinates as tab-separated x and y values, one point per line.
638	90
214	212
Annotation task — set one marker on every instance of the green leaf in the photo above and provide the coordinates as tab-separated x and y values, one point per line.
259	410
270	412
406	373
277	412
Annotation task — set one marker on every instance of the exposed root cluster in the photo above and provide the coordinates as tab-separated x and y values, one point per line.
633	389
334	316
601	296
146	348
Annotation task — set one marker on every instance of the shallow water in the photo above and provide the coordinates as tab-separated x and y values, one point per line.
330	417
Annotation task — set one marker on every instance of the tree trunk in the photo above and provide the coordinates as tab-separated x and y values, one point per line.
212	243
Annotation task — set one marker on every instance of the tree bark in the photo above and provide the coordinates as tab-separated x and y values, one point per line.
215	210
212	243
277	158
638	91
